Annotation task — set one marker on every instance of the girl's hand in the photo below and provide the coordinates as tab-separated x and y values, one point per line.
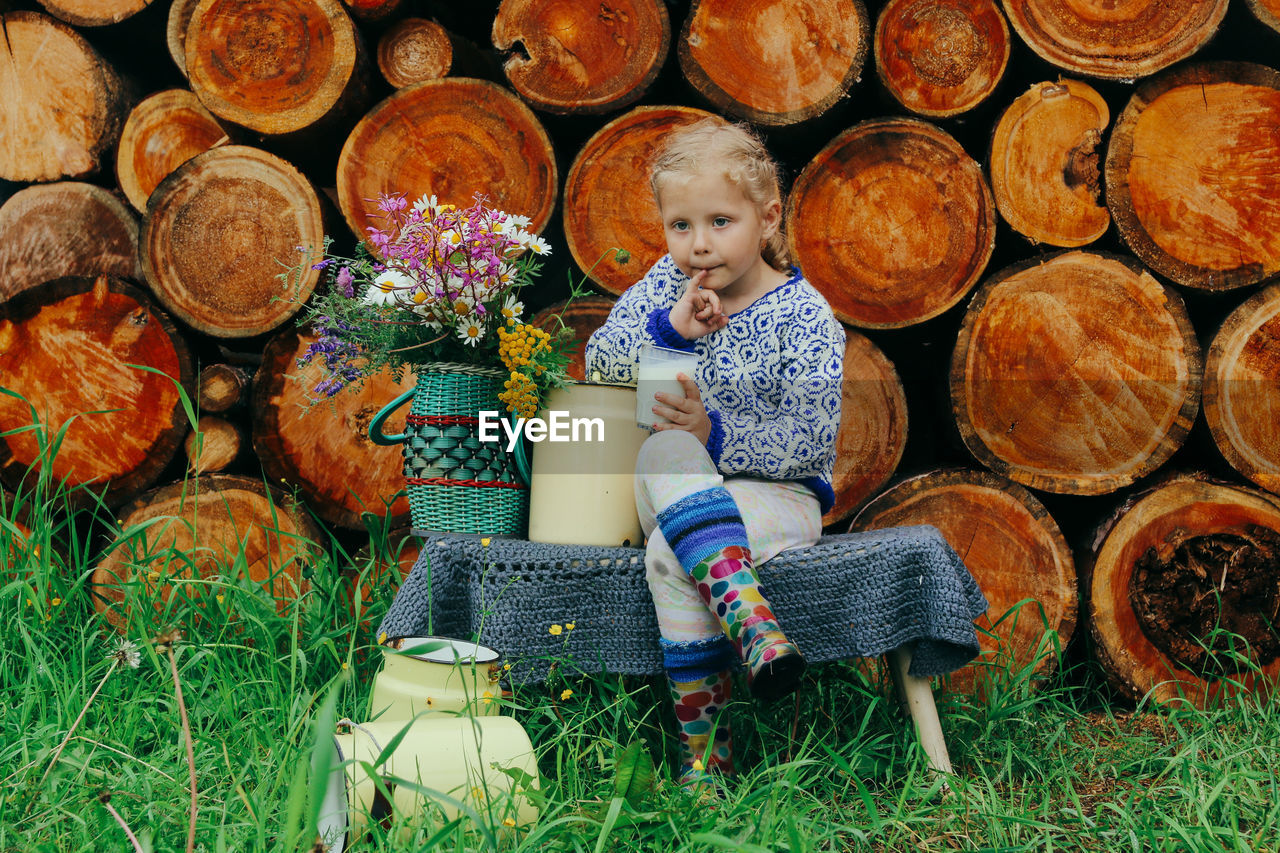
697	313
688	414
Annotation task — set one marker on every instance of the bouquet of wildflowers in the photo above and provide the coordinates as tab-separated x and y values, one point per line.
434	282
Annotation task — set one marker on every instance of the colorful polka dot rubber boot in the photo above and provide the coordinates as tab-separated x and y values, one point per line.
697	703
706	533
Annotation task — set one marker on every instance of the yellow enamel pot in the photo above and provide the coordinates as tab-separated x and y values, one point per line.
443	766
430	674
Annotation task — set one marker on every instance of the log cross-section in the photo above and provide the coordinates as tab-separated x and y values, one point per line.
1191	174
216	233
1242	388
1115	40
74	349
192	542
582	57
1078	374
62	106
1182	592
774	63
893	222
1015	551
163	131
451	138
273	67
1045	169
324	448
49	231
941	58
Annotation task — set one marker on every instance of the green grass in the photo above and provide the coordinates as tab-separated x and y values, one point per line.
1046	766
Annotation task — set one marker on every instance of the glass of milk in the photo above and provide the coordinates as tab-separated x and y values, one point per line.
659	367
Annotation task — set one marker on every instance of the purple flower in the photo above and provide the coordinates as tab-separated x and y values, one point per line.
346	282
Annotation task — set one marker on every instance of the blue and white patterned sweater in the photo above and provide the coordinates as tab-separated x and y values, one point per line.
770	380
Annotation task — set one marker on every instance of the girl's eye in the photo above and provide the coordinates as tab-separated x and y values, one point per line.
721	221
679	226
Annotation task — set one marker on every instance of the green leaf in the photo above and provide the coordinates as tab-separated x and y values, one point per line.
633	774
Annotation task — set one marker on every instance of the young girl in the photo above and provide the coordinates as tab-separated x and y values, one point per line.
742	469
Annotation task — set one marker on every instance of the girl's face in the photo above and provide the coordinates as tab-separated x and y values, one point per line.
711	225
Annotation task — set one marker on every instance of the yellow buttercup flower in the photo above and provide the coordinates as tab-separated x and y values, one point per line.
485	541
565	694
508	821
555	630
698	765
568	626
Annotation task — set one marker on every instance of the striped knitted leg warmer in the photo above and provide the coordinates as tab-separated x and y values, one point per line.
701	686
706	533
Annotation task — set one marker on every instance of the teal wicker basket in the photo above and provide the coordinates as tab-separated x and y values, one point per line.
456	482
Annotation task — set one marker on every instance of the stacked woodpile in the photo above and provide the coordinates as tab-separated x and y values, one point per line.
1052	230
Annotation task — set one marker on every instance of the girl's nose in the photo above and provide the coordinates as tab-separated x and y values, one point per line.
700	243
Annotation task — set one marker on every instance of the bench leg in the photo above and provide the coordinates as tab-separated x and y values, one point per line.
918	696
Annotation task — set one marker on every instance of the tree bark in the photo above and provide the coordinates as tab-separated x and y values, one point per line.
452	138
1015	551
941	58
1242	389
1045	172
1079	373
892	221
176	31
583	316
774	63
1115	41
94	13
607	202
1267	11
222	387
69	348
216	232
873	427
1171	566
162	132
1191	174
324	449
65	229
63	104
581	57
273	69
207	528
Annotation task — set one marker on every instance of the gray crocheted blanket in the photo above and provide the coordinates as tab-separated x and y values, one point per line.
850	595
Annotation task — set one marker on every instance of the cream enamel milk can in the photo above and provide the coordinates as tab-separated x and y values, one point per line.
447	762
429	674
582	490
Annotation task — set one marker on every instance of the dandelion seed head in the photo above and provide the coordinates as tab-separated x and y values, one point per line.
126	653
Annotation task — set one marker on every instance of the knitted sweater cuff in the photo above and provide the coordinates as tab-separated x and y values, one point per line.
663	333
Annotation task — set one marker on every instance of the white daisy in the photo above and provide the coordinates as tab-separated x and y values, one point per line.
387	288
470	332
512	308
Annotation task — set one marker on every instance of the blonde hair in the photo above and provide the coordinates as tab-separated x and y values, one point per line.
715	143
